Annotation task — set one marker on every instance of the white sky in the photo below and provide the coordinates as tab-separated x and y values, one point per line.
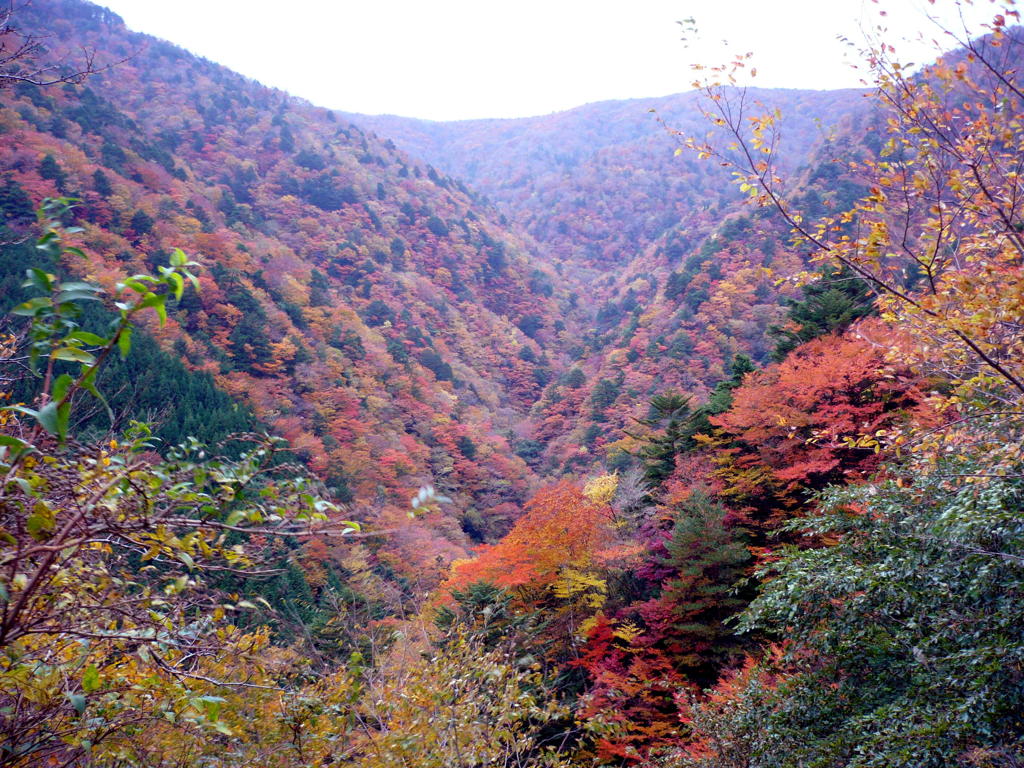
454	59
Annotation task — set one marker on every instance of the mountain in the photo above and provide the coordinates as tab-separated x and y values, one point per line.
676	316
598	184
361	303
688	489
678	275
379	311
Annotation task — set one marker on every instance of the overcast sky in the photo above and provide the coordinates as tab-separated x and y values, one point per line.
455	59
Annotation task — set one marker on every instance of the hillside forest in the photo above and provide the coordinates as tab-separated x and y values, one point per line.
661	433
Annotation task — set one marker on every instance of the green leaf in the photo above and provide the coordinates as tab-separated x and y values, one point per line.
63	419
81	286
40	279
14	443
210	705
77	701
88	338
50	247
74	355
178	258
124	341
32	306
76	251
68	296
61	385
179	284
90	679
135	284
53	419
157	302
40	524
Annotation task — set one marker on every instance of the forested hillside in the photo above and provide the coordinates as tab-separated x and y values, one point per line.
673	268
600	183
358	301
685	440
708	292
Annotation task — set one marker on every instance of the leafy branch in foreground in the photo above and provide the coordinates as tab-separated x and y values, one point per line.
55	335
106	625
938	233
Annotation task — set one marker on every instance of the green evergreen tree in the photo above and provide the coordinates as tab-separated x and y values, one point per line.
15	204
828	305
101	183
575	378
49	168
141	222
668	414
676	423
709	559
318	296
249	345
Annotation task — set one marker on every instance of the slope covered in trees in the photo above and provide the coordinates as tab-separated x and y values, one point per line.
684	278
600	183
357	300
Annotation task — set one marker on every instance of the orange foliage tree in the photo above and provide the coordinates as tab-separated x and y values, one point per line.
800	423
549	558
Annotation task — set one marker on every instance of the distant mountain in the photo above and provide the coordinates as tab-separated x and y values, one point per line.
598	184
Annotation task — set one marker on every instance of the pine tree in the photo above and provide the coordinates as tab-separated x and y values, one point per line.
708	557
15	204
829	305
49	168
669	414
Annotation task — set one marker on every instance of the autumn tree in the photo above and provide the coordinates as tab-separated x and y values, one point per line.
798	424
550	561
460	704
937	234
633	685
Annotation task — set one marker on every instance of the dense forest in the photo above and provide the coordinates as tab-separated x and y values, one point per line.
681	432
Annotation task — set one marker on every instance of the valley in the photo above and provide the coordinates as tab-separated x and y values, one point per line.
678	431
